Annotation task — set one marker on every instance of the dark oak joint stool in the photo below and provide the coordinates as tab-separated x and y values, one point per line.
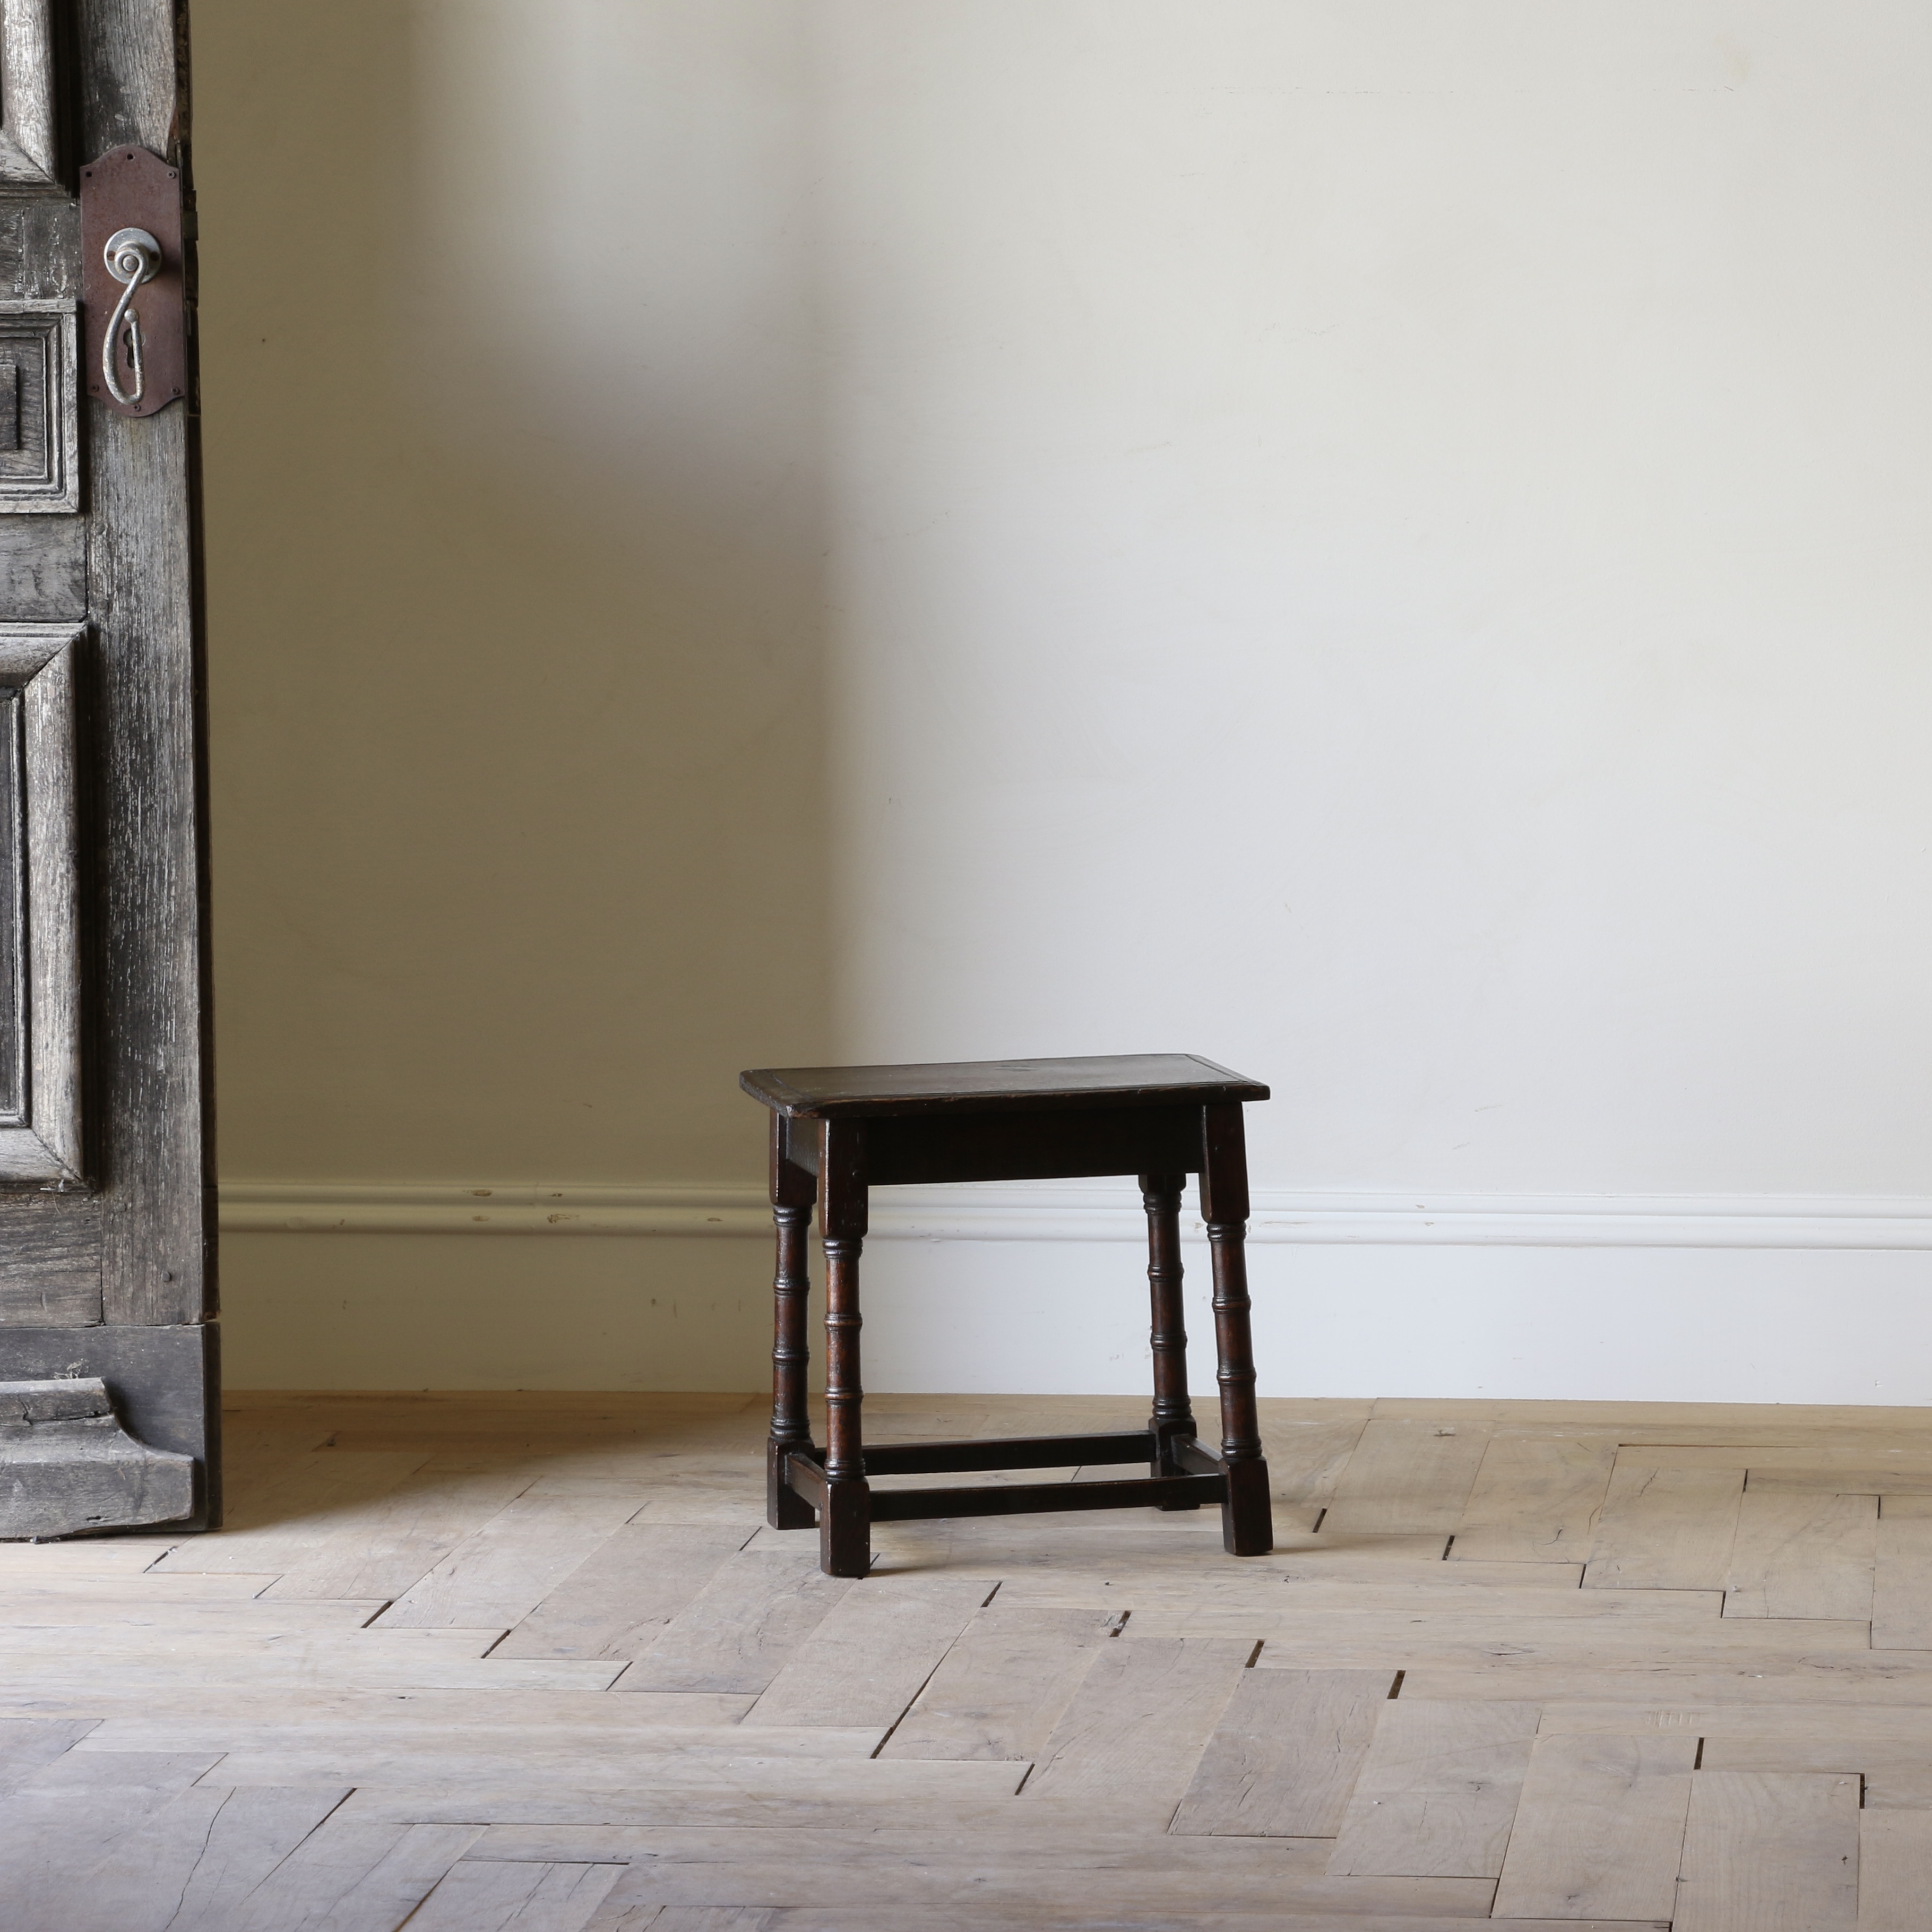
837	1131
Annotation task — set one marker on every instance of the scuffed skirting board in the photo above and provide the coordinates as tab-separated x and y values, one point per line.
1089	1211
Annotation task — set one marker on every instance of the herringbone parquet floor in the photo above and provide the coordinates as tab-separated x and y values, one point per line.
474	1664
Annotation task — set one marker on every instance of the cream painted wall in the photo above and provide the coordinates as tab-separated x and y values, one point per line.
1384	543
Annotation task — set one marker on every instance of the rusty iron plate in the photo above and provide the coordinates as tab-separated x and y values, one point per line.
129	187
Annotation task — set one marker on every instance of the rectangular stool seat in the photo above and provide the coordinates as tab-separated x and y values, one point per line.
837	1131
997	1086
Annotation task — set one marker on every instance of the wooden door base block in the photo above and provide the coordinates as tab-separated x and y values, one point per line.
67	1466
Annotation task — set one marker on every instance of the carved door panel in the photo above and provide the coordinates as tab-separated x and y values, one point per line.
108	1413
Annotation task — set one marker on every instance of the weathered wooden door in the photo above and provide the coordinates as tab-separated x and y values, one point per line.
108	1410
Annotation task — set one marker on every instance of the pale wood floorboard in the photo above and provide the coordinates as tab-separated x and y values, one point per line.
1802	1554
480	1895
500	1574
1895	1871
1134	1732
1438	1791
400	1539
617	1602
1536	1499
871	1653
1902	1577
535	1664
740	1630
1770	1852
1599	1832
1665	1528
1000	1690
1285	1756
1409	1474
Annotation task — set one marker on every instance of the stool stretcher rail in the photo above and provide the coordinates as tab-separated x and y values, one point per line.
1011	1452
804	1474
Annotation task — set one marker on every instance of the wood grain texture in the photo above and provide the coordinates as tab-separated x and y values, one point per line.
1438	1791
154	1127
163	1611
1899	1787
145	1011
67	1467
1898	1506
1816	1459
1802	1554
1072	1751
133	88
1770	1852
1001	1689
1873	1728
40	261
642	1789
43	567
26	1744
151	1016
289	1519
1836	1677
742	1628
1286	1755
163	1380
1079	1871
1895	1871
351	1876
397	1739
489	1895
1829	1746
870	1653
1665	1528
1599	1829
47	1836
195	1860
499	1573
952	1088
865	1918
557	1700
39	979
1135	1730
29	144
1319	1640
1406	1476
1869	1479
1305	1460
51	1136
847	1917
1901	1610
50	1265
617	1601
383	1547
1535	1499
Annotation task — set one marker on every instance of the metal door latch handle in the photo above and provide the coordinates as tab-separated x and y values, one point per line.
133	256
134	279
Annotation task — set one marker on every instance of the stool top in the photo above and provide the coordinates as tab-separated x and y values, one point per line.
1001	1086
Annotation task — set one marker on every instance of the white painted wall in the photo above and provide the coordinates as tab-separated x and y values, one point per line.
1383	543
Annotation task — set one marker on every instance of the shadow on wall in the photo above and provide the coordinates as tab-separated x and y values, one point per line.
516	602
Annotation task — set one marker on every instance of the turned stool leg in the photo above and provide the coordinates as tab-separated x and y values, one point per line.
793	1192
1247	1526
845	1523
1173	1413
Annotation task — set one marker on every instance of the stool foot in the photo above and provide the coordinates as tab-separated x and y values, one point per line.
1247	1519
785	1507
1166	1462
845	1529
